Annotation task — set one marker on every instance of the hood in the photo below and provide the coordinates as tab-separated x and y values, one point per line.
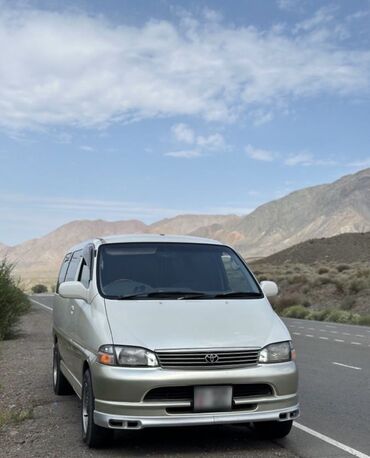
171	324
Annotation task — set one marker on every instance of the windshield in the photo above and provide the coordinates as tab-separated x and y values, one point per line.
173	271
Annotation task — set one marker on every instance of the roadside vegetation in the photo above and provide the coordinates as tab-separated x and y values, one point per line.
15	416
13	301
39	289
336	292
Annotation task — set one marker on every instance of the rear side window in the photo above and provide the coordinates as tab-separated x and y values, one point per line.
84	276
73	266
63	270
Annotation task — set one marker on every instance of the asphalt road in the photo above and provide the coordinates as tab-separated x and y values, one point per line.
334	365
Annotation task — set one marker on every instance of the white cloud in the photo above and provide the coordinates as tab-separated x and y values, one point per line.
299	159
260	154
362	163
74	69
183	133
288	5
213	142
184	154
201	143
87	148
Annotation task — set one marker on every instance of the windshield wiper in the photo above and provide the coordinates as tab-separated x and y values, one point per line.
166	294
238	294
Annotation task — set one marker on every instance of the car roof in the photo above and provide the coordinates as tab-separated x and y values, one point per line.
139	238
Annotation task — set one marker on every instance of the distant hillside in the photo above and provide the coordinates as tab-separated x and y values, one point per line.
319	211
343	248
39	259
186	224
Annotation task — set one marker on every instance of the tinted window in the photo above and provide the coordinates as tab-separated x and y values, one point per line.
63	270
140	268
73	266
84	276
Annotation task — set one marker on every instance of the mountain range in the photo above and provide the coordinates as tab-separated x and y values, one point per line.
314	212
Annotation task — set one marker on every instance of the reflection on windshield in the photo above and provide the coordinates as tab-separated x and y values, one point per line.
173	271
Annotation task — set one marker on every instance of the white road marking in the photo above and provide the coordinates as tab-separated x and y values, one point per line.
309	335
331	441
41	305
338	340
346	333
350	367
334	332
360	335
323	330
324	338
356	343
301	327
330	326
311	329
297	333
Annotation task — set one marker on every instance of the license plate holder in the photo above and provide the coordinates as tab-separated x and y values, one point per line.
213	398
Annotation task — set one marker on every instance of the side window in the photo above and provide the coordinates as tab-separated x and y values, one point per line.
84	275
63	270
73	266
234	273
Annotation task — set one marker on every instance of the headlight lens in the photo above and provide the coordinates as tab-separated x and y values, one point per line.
117	355
276	353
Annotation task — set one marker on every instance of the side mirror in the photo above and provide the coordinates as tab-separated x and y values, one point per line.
269	288
73	290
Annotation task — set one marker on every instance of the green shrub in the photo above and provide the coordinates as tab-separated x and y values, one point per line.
297	279
13	302
39	289
323	280
343	267
318	315
286	300
364	320
296	311
342	316
357	285
323	270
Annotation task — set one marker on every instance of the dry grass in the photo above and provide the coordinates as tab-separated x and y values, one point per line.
15	416
321	291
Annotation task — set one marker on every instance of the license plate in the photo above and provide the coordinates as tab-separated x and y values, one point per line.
213	398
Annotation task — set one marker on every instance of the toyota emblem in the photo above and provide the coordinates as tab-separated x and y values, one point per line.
211	358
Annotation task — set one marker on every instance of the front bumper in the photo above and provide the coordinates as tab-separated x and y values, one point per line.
137	422
119	395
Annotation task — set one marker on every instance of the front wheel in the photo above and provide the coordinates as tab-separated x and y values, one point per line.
93	435
273	429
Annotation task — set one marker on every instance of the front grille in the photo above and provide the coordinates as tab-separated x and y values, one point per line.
186	393
208	359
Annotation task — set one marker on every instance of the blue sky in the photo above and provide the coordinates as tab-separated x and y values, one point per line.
147	109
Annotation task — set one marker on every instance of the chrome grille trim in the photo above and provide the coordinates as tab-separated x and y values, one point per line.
189	358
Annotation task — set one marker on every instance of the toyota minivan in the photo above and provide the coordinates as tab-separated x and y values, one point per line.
156	330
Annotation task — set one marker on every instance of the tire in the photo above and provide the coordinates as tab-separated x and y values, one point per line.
273	429
93	435
61	385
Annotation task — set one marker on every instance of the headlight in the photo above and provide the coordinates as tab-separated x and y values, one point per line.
117	355
276	353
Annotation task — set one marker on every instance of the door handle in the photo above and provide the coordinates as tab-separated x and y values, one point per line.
72	309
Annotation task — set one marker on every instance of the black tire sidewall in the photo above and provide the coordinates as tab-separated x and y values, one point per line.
87	391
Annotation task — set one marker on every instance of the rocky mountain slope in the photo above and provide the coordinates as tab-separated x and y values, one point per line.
319	211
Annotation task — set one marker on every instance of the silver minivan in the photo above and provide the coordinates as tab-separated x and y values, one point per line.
155	330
